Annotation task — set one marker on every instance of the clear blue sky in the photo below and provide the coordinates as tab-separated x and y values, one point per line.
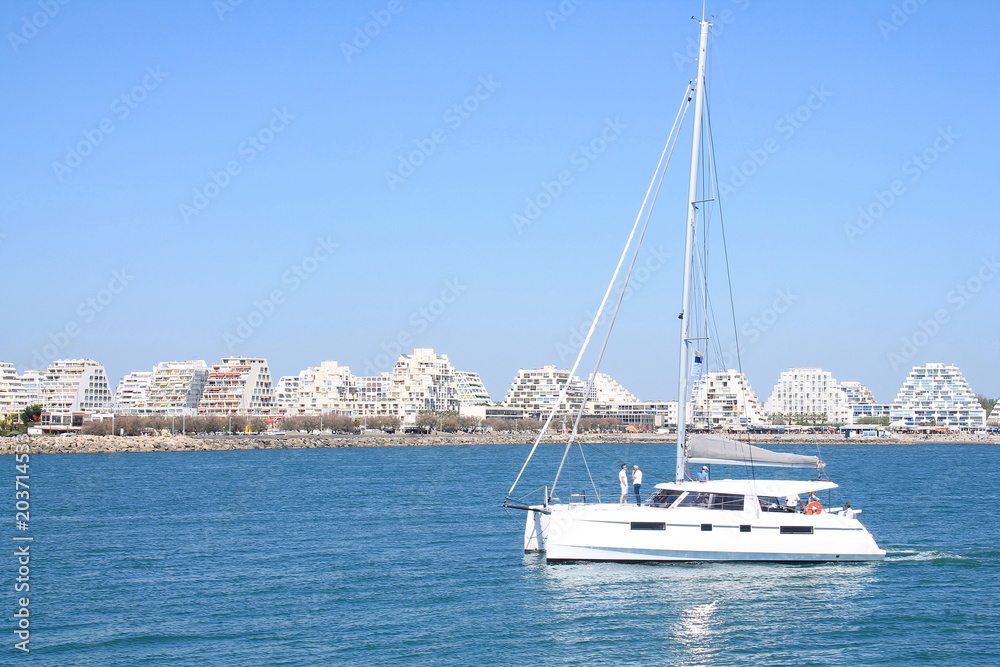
172	167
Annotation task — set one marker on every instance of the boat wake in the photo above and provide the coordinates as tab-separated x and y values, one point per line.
930	555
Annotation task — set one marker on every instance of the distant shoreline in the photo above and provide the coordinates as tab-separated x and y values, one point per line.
103	444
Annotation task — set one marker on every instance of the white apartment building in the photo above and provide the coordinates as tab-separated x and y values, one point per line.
605	389
993	419
857	393
862	403
809	391
470	389
70	389
11	398
724	400
327	388
18	392
176	387
132	394
286	394
937	395
536	390
642	415
237	386
31	387
423	381
372	396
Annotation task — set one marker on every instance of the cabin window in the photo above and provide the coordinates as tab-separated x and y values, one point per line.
745	528
725	501
706	527
694	499
648	525
770	504
664	498
796	530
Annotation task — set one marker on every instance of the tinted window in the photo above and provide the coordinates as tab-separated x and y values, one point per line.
796	530
695	499
664	498
725	501
770	504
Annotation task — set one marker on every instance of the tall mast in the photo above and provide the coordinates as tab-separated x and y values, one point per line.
685	342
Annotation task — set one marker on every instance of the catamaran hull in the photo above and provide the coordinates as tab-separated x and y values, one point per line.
647	534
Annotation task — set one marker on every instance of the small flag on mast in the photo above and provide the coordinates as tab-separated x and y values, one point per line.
698	364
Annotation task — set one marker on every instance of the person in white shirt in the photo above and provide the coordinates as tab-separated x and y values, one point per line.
623	480
636	483
848	512
792	502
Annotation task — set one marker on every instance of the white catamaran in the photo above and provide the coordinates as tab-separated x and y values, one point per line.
691	520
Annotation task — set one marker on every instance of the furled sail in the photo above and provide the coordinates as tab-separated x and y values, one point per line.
719	449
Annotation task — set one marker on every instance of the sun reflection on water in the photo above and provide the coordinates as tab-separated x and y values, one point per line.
704	613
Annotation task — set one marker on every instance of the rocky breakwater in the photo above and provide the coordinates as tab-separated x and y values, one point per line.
92	444
165	442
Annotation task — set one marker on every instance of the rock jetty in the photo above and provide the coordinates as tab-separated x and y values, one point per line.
92	444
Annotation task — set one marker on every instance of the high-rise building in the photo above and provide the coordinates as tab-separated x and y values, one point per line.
725	400
372	396
423	381
536	390
937	395
176	387
857	393
324	389
864	407
286	394
605	389
470	389
18	392
31	387
643	415
419	382
993	418
72	389
809	392
132	395
11	401
237	386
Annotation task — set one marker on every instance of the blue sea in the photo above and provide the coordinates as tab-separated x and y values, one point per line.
403	556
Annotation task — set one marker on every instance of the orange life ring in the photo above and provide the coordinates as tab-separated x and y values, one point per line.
814	508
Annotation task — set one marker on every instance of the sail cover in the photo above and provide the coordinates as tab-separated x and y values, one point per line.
719	449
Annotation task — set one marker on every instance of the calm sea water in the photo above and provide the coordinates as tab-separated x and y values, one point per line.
403	556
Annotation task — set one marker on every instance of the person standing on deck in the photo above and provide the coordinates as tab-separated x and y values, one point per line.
623	480
792	502
703	475
636	483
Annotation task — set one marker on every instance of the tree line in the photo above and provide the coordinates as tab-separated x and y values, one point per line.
426	422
